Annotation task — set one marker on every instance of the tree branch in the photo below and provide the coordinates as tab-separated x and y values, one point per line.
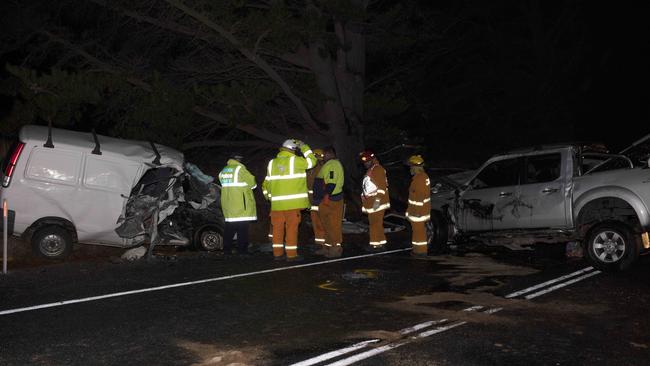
252	57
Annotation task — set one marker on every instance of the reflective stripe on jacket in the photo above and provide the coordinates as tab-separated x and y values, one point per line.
419	208
285	184
375	189
237	200
311	177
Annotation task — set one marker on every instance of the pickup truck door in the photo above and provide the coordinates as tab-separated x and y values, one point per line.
484	205
542	199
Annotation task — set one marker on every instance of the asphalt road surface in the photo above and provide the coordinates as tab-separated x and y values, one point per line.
481	307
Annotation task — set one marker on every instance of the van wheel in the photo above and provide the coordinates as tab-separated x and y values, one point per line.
437	233
208	239
612	247
53	242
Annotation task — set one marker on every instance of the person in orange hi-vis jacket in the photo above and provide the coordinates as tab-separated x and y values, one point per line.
419	208
316	222
375	199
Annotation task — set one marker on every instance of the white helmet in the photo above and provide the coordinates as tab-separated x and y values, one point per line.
290	144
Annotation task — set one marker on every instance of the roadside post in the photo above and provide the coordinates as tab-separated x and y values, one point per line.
5	229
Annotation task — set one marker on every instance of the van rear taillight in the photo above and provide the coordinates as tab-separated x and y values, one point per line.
10	164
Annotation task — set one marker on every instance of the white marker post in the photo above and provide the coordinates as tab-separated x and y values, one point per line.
5	229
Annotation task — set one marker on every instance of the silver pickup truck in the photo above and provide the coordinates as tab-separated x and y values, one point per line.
559	193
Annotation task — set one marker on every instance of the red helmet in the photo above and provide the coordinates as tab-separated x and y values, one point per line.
366	155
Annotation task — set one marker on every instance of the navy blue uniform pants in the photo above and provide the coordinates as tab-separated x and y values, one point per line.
241	229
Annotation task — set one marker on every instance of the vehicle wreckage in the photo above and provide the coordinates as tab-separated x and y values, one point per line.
552	193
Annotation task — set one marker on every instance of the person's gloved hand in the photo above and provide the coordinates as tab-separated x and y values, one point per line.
326	200
376	204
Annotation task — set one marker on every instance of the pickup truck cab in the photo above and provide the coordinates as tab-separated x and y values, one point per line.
554	193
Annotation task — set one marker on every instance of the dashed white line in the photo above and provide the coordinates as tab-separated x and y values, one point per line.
182	284
563	284
543	284
339	352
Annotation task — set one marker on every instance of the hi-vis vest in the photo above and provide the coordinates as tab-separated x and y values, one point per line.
285	184
375	188
237	200
419	209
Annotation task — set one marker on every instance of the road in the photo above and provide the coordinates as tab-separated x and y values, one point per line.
388	309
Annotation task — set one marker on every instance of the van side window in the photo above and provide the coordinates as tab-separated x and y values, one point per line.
54	165
109	175
543	168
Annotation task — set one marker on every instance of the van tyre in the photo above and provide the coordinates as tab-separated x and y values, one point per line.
611	246
52	242
437	234
208	239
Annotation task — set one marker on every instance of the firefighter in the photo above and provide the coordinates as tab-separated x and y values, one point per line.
374	199
419	208
285	186
328	193
237	203
319	232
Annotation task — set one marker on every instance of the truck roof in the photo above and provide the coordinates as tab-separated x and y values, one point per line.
583	146
139	151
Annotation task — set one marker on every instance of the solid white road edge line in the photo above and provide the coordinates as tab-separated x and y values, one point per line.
563	284
533	288
182	284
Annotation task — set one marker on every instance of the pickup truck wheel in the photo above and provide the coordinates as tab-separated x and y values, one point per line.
209	239
437	233
611	247
53	242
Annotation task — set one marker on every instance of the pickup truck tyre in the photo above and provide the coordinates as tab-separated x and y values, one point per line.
52	241
437	234
611	246
208	239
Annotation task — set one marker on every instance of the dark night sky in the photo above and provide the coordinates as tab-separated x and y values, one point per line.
614	105
616	110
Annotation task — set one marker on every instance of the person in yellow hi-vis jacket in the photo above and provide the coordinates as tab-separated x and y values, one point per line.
285	186
319	231
328	193
419	208
375	199
237	203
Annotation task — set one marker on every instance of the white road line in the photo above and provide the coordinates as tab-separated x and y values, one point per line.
473	308
370	353
440	329
543	284
334	354
417	327
361	345
492	311
182	284
563	284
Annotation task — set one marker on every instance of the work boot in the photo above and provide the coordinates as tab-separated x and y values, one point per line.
322	250
279	258
298	258
334	251
374	248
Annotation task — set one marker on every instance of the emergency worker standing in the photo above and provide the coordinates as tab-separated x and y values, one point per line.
419	208
319	232
328	193
285	186
237	203
375	199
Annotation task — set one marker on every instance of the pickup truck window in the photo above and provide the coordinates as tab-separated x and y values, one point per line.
543	168
498	174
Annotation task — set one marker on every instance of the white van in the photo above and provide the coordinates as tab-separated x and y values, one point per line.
64	187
